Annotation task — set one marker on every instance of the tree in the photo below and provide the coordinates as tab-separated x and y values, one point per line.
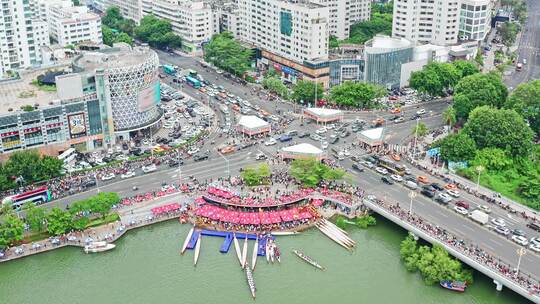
59	221
310	172
420	129
225	52
508	32
356	94
457	147
254	176
81	223
35	217
103	202
30	166
380	22
107	34
307	91
466	68
492	159
530	189
503	129
157	33
123	37
11	231
525	99
478	90
275	85
112	17
435	78
449	116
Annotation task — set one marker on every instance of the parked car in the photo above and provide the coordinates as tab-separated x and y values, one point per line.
498	222
270	142
107	177
461	210
381	170
387	181
462	204
127	174
428	193
149	168
357	168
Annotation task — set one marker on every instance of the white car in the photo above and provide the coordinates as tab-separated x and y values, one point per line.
445	197
128	174
535	241
534	247
421	112
453	193
330	126
321	130
149	168
367	164
498	222
193	151
274	118
520	240
485	208
397	178
324	145
122	157
270	142
346	153
461	210
381	170
107	177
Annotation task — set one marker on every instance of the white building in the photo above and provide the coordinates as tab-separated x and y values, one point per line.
21	36
343	14
130	9
475	17
191	20
73	24
426	21
227	19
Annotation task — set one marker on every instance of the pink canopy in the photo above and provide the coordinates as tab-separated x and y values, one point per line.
252	218
166	208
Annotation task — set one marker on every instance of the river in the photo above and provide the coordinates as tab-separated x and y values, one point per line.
146	267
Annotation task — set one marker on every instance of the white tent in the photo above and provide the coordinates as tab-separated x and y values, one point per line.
372	137
323	114
303	150
251	125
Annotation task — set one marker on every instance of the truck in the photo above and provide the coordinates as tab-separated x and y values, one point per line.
479	217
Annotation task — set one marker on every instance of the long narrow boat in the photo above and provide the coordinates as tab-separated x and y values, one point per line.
281	233
197	250
308	259
254	255
250	281
186	242
272	253
327	222
337	232
237	248
277	253
244	252
267	249
332	237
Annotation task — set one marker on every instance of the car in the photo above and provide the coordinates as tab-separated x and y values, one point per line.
387	181
462	204
285	138
461	210
149	168
445	198
381	170
399	120
427	193
107	177
411	185
122	157
396	178
534	247
518	232
270	142
192	151
498	222
485	208
324	145
127	174
502	230
367	164
534	226
453	193
89	183
415	117
421	112
450	187
357	168
175	162
292	133
520	240
321	130
200	157
436	186
260	156
227	150
395	110
422	179
302	135
334	140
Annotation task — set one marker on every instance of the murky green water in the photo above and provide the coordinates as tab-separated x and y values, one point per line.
146	267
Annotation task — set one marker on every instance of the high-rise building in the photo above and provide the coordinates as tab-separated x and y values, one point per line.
191	20
343	14
73	24
21	36
475	18
130	9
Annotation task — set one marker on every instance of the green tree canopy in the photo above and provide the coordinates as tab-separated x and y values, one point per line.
420	130
503	129
30	166
11	231
123	37
227	53
449	116
112	17
310	172
466	68
509	32
107	34
157	33
478	90
35	217
275	85
306	91
435	78
457	147
356	94
254	176
380	22
59	221
525	99
102	202
492	159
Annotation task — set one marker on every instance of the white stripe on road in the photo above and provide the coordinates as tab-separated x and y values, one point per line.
496	242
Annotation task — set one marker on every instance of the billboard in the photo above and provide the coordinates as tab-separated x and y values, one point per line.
77	125
148	97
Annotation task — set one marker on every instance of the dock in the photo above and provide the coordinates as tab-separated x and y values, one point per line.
228	239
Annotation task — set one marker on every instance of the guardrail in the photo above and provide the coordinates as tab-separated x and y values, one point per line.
498	278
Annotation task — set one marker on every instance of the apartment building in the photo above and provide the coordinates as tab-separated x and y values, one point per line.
21	36
130	9
73	25
343	14
227	18
191	20
475	19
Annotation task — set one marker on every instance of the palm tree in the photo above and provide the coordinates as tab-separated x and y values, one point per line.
449	116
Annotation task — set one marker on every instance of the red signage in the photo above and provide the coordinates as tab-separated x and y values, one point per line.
54	125
277	66
32	130
9	134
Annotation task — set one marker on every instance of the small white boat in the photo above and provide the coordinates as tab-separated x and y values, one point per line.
186	242
267	249
237	248
95	247
272	253
283	233
332	237
244	252
197	250
254	255
250	281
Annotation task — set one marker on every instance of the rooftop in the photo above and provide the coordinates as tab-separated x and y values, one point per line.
116	57
252	122
303	148
373	134
324	112
384	42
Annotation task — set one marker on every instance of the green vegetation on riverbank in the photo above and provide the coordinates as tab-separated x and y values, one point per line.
434	263
363	221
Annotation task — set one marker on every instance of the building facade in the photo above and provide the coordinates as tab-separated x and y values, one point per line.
475	19
73	25
343	14
130	9
21	36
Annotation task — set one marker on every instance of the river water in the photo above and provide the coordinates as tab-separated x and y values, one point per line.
146	267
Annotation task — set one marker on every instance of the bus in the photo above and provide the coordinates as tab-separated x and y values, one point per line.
169	69
391	166
193	82
37	197
68	155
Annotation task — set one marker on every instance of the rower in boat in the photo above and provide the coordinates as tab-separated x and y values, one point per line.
308	259
250	280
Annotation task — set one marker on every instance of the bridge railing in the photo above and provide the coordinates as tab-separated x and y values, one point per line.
479	259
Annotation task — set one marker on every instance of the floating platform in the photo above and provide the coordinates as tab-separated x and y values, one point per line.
226	245
193	239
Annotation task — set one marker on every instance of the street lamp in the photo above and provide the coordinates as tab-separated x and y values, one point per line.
412	195
179	168
97	182
520	252
227	161
416	137
478	169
